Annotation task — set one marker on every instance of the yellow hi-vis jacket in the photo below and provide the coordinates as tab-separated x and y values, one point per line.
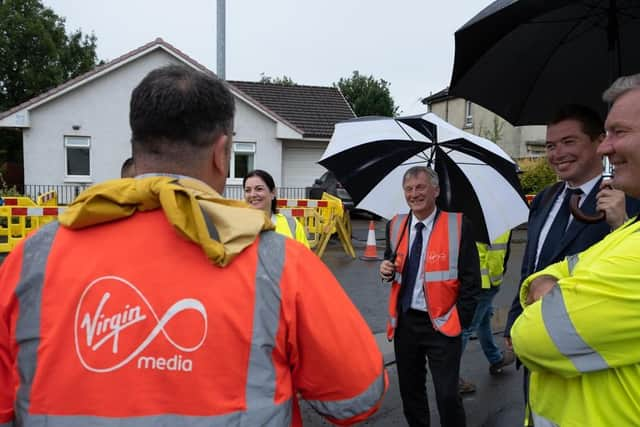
581	341
285	225
492	260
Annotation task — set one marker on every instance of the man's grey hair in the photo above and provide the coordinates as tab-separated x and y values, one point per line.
621	86
417	170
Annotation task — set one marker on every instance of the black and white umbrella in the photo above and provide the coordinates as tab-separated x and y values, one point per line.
369	156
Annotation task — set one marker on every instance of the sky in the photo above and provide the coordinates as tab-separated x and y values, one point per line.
408	43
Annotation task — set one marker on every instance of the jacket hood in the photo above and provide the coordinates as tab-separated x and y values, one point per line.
222	227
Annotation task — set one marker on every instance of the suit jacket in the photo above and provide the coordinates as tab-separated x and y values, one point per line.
468	269
579	236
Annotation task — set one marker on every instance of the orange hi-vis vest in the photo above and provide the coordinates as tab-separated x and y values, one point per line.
441	284
127	323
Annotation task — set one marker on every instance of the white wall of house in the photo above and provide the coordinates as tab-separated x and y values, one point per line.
300	167
252	126
101	110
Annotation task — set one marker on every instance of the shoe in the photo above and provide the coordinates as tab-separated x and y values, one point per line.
507	359
465	387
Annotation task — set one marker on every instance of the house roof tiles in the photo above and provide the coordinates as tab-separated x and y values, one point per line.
313	109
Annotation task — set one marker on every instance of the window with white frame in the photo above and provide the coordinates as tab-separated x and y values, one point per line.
242	159
468	115
78	156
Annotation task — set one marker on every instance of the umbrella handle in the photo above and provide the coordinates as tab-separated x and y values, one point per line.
607	173
581	216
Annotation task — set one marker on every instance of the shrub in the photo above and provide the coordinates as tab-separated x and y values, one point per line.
536	175
5	190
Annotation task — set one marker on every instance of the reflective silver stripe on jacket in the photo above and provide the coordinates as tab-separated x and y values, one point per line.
211	228
572	260
9	424
484	271
261	375
454	244
393	321
496	278
540	421
440	321
349	408
436	276
292	223
497	247
233	419
29	294
565	336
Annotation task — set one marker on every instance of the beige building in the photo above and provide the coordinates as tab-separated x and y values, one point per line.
517	141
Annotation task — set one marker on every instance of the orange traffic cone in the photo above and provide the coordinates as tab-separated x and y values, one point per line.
370	252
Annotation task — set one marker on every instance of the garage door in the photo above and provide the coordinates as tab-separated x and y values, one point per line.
300	167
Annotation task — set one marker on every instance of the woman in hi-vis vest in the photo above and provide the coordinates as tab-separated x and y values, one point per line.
260	193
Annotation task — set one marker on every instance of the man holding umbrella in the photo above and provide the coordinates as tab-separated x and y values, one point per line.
432	261
579	331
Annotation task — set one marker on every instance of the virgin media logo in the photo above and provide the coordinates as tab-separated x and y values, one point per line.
115	324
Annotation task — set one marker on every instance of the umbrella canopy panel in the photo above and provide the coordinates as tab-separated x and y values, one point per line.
524	59
361	161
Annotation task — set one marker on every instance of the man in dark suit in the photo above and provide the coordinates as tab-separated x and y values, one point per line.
573	137
433	264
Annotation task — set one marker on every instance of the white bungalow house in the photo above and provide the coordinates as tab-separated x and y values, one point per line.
78	133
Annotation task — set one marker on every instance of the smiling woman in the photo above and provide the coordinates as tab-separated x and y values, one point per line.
260	193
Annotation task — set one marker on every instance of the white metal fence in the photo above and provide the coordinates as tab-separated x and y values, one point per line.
68	192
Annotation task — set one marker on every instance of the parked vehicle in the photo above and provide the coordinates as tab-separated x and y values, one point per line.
328	183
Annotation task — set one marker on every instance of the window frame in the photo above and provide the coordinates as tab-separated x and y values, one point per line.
232	179
468	114
66	142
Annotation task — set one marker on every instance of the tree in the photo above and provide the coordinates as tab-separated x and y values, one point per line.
494	133
284	80
36	54
367	96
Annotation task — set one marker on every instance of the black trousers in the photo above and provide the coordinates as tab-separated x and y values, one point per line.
415	340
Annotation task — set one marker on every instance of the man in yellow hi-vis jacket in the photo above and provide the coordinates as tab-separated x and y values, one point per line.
580	328
493	265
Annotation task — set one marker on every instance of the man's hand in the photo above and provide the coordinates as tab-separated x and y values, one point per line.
507	343
612	202
539	288
387	270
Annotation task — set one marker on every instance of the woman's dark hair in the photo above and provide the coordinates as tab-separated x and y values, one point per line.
267	178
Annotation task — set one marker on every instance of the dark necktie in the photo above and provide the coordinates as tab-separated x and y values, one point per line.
410	273
557	230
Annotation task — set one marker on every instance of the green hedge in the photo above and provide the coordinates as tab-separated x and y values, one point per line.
536	175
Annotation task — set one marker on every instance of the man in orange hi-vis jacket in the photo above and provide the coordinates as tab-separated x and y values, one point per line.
156	302
432	263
